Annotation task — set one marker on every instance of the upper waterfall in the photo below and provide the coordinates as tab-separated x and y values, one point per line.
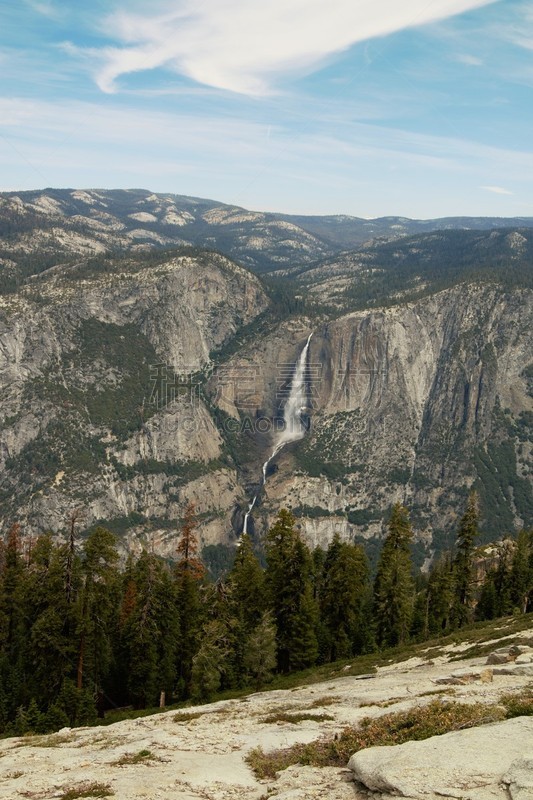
294	427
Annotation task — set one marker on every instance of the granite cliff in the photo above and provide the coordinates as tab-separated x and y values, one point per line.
134	377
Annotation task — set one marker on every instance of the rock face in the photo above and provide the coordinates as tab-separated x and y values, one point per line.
492	761
414	403
131	384
100	406
198	753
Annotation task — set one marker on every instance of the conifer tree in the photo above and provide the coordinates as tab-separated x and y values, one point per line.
52	640
394	585
189	579
290	592
521	577
246	582
98	605
345	577
260	651
209	662
149	633
463	562
487	605
439	596
13	624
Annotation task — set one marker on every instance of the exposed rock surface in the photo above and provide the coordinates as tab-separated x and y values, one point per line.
416	400
85	222
411	403
475	764
97	387
198	753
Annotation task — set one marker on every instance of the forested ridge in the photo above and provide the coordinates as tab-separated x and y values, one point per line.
81	634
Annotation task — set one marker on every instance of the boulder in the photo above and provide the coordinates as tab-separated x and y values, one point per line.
481	763
522	648
499	658
514	669
524	658
519	779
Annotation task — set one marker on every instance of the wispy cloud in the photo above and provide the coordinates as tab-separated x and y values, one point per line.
245	45
496	189
49	131
47	9
519	28
470	61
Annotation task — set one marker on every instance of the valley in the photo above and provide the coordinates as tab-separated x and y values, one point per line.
147	349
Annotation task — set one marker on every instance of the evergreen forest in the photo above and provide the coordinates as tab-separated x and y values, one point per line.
82	632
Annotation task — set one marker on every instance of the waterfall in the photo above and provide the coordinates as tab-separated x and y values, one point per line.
294	427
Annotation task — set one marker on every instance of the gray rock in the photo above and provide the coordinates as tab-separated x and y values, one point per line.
519	779
474	764
499	658
522	648
514	669
524	658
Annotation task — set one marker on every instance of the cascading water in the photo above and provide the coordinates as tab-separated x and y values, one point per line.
294	427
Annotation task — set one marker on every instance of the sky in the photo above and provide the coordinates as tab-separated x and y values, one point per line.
421	109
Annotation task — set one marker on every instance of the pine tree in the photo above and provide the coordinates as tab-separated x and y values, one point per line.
208	662
187	549
487	606
54	619
149	634
463	563
14	633
98	603
34	718
189	578
291	597
439	596
394	585
260	651
345	578
246	582
502	577
521	577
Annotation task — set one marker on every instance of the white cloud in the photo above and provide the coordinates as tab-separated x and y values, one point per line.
46	9
56	126
244	45
470	61
352	167
496	189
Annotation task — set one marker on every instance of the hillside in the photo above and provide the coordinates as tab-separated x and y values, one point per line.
202	751
42	228
136	374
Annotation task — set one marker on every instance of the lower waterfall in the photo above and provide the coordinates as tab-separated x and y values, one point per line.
294	427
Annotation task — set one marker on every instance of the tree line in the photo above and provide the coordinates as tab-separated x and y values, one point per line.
80	634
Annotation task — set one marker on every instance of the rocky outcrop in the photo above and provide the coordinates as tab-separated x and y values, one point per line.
101	401
123	380
491	762
416	403
199	752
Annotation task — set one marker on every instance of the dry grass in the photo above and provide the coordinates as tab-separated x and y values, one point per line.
519	704
390	729
297	716
48	740
329	700
142	757
87	790
187	716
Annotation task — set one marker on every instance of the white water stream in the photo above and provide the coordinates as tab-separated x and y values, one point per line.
293	425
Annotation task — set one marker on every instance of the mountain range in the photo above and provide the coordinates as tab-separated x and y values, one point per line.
147	346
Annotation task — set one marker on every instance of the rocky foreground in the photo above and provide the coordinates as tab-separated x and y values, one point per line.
200	752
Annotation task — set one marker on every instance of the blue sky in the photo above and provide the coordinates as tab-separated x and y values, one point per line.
422	108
